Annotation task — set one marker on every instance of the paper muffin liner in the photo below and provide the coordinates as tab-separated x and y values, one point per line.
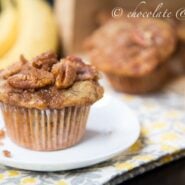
45	130
140	85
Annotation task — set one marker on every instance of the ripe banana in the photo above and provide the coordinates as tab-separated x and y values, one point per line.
8	26
37	31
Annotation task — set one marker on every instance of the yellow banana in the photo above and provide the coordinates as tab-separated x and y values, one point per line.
37	31
8	26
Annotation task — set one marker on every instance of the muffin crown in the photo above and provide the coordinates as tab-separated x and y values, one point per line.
131	47
45	79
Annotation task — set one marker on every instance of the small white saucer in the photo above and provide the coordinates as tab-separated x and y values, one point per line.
112	128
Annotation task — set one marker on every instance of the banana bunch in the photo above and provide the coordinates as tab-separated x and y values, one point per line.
27	27
8	26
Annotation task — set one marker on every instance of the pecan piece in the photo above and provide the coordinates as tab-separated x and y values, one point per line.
142	38
76	61
84	71
31	78
65	74
13	69
45	61
87	73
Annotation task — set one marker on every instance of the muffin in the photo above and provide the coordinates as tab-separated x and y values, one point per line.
45	102
133	53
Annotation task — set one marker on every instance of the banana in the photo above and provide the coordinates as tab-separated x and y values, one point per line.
8	26
37	31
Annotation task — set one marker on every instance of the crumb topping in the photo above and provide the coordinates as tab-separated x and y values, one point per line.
7	153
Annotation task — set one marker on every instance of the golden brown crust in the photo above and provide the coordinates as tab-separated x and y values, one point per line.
81	93
131	47
69	82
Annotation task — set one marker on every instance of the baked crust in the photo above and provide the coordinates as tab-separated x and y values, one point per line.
131	47
50	85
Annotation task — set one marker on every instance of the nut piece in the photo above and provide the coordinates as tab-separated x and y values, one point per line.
31	78
14	69
45	61
7	153
87	73
142	38
2	134
45	70
65	74
84	71
76	61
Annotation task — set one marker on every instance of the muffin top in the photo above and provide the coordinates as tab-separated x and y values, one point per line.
131	47
46	83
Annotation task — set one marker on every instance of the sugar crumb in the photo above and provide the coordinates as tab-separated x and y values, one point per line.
2	134
7	153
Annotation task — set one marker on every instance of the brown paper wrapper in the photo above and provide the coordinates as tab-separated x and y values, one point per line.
45	130
140	85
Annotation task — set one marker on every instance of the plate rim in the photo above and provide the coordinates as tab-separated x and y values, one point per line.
60	166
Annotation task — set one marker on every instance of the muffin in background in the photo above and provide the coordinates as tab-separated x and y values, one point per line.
180	26
181	31
133	53
45	103
183	55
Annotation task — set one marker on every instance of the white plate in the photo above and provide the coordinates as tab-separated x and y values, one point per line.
112	128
